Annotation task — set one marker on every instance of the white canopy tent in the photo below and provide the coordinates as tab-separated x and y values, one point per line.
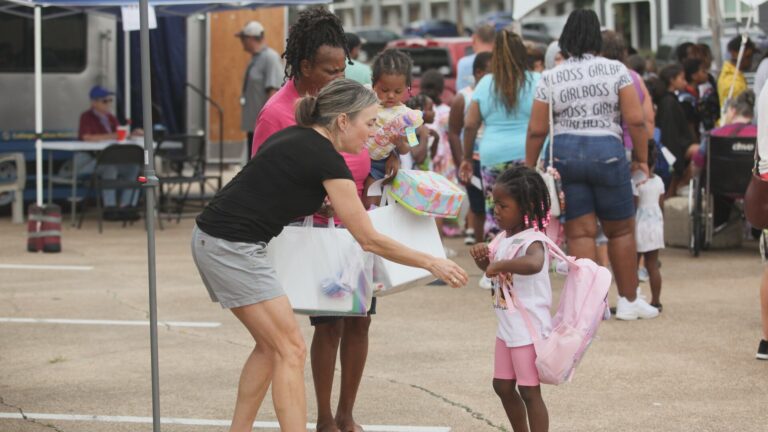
524	7
150	180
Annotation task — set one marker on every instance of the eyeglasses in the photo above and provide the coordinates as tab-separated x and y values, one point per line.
106	101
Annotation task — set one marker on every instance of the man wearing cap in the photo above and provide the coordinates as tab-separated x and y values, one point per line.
263	77
98	123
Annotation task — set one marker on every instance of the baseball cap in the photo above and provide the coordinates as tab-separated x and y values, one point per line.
99	92
252	29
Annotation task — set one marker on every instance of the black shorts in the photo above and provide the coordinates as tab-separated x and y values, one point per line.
476	196
315	320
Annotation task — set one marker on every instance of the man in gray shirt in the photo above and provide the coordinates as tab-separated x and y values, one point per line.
263	76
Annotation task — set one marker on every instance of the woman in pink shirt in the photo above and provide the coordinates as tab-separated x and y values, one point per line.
316	54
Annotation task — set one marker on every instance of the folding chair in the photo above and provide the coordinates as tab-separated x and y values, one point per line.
117	157
13	178
187	166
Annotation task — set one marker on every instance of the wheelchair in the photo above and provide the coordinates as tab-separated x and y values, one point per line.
727	173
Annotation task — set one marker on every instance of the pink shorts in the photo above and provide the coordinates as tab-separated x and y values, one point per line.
518	363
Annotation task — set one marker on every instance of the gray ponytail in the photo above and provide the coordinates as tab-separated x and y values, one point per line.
744	104
341	96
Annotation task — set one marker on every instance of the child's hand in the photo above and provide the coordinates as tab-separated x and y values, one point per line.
492	271
480	254
402	145
326	210
392	166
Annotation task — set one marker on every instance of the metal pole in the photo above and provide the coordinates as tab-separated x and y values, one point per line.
127	75
39	105
716	23
460	16
739	58
151	182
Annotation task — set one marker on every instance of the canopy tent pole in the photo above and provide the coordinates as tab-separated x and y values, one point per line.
150	182
739	58
127	76
39	104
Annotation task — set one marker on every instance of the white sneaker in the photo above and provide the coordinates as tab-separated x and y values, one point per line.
640	294
469	240
638	309
642	274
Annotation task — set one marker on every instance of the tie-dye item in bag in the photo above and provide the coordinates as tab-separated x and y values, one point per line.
427	193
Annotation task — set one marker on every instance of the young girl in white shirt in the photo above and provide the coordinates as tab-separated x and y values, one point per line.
649	226
521	204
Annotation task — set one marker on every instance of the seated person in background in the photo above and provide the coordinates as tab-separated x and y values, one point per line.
737	123
99	124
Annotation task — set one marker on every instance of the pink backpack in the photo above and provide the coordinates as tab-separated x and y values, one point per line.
583	304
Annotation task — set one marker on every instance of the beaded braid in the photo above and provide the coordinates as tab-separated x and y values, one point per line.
529	190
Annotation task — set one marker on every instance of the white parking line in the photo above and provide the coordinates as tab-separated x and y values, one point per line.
200	324
202	422
44	267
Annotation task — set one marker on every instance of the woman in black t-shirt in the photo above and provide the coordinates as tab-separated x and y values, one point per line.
287	179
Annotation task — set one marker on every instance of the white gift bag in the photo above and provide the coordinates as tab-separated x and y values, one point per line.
323	271
416	232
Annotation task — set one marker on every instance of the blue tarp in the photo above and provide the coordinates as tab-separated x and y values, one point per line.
164	7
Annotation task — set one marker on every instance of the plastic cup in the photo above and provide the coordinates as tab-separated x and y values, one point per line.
122	133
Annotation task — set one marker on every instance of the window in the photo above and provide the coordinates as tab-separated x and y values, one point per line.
560	9
735	9
64	42
425	59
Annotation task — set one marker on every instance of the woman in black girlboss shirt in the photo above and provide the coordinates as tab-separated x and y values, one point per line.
287	179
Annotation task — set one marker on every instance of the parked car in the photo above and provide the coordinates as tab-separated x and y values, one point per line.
374	40
552	26
434	28
497	19
442	54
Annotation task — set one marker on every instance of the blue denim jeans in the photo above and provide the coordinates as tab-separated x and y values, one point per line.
596	176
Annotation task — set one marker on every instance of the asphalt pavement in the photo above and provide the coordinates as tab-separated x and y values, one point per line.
431	348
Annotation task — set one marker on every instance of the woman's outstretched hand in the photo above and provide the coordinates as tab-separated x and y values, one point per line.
449	272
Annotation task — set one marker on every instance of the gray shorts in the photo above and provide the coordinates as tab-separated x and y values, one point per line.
235	273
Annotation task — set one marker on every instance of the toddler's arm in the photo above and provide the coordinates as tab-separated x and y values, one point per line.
435	142
528	264
419	152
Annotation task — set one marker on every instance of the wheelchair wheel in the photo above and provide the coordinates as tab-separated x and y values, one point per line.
696	204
